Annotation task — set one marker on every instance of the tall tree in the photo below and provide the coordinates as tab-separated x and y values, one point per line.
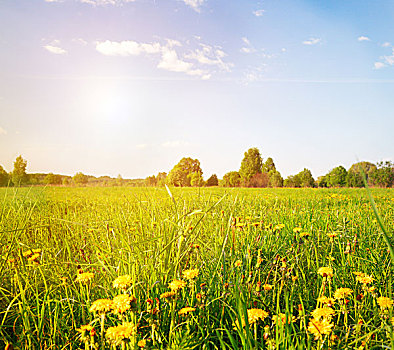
180	174
18	175
196	179
269	165
383	176
354	175
231	179
250	165
336	177
80	179
4	178
213	180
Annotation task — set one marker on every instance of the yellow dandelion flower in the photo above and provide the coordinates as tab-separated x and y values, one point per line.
238	263
176	285
190	274
362	274
342	293
168	296
384	302
332	234
364	279
320	327
85	328
279	227
186	310
122	282
325	272
27	253
322	312
141	343
101	306
304	234
281	319
371	289
267	287
84	277
327	301
33	257
297	229
255	314
392	321
120	333
122	303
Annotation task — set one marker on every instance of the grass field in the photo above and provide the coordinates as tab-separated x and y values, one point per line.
199	268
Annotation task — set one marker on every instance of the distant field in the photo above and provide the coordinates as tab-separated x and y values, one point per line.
247	266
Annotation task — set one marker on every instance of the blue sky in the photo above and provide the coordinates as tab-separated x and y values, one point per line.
112	87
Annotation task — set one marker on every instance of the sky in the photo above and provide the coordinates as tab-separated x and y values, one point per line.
130	87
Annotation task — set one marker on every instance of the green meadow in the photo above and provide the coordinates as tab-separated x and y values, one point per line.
195	268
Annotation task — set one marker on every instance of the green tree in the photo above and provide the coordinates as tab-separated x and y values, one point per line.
292	181
151	181
275	179
336	177
180	175
80	178
354	175
18	175
259	180
250	165
269	165
383	176
213	180
231	179
196	179
4	177
321	181
52	179
161	179
306	178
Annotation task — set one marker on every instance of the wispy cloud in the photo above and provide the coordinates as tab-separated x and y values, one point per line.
126	48
200	62
80	41
194	4
55	49
379	65
248	48
208	55
258	13
105	2
312	41
3	131
363	38
386	44
173	144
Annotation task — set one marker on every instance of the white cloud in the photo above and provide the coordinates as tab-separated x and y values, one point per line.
173	144
105	2
378	65
126	48
170	61
312	41
194	4
248	48
55	49
258	13
3	131
363	38
80	41
386	44
209	55
389	59
245	40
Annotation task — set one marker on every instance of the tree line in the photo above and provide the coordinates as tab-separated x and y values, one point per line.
253	172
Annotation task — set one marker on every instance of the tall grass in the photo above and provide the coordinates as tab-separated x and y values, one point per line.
240	240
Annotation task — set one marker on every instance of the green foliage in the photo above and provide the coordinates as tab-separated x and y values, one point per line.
196	179
383	176
321	181
18	175
151	181
80	178
268	166
52	179
259	180
302	179
250	165
161	179
231	179
213	180
354	176
4	177
180	175
336	177
275	179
